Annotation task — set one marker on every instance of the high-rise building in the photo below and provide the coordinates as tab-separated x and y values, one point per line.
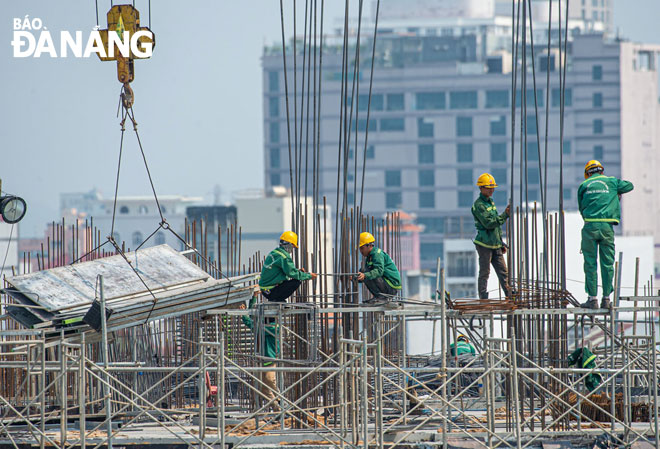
440	115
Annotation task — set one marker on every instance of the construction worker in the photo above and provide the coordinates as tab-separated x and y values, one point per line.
489	236
378	271
270	350
462	346
599	204
279	276
584	358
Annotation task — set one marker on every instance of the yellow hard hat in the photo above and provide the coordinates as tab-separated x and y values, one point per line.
486	180
291	237
462	337
366	238
592	167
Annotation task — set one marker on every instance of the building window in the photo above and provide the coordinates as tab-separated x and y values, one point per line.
531	124
362	125
500	175
464	152
424	128
123	210
392	178
567	147
430	251
597	72
464	176
273	81
435	225
392	124
143	210
463	126
275	179
274	106
598	152
117	237
274	132
137	239
371	152
461	264
426	200
598	100
463	99
160	238
395	102
462	289
568	193
274	158
543	63
393	200
532	195
499	196
532	175
498	152
426	178
498	125
425	154
556	97
376	102
429	100
497	99
532	151
465	199
530	98
598	126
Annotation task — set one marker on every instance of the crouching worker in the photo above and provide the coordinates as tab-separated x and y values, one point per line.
279	276
379	273
462	346
270	349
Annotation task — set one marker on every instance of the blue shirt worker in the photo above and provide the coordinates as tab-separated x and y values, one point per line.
279	276
379	273
600	207
488	241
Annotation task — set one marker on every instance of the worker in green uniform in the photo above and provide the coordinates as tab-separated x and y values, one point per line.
488	241
584	358
378	272
600	207
279	276
270	349
462	346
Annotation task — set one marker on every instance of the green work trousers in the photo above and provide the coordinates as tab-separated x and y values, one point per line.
598	240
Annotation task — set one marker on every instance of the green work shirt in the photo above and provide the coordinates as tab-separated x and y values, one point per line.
488	223
271	343
379	264
278	267
462	348
598	198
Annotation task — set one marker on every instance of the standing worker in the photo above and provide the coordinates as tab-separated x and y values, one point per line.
600	207
279	276
379	273
489	236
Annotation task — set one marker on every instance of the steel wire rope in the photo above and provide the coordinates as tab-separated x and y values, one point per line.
514	85
294	190
302	116
121	149
562	87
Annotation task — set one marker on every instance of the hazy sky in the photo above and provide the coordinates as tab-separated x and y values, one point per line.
198	100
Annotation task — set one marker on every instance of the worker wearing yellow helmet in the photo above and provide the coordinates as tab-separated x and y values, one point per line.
279	276
462	346
488	241
378	272
599	204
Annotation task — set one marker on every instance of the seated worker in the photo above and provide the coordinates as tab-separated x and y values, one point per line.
462	346
378	272
279	276
270	348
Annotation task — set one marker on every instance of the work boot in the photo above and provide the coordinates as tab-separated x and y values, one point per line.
592	303
605	303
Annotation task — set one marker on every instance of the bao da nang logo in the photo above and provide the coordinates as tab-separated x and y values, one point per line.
120	40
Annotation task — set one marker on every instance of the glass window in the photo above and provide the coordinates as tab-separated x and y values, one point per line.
160	238
371	152
350	153
426	178
598	126
466	99
273	81
530	98
598	100
424	128
532	151
137	238
426	199
275	179
425	154
462	289
556	97
531	124
532	195
567	147
598	152
362	124
123	210
532	175
568	193
498	152
274	106
461	264
392	124
500	175
395	102
392	178
465	199
376	102
274	157
543	63
463	126
393	200
274	132
498	125
597	72
497	99
464	152
464	176
500	197
432	224
430	251
429	100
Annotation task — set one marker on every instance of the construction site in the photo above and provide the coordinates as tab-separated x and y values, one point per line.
110	346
